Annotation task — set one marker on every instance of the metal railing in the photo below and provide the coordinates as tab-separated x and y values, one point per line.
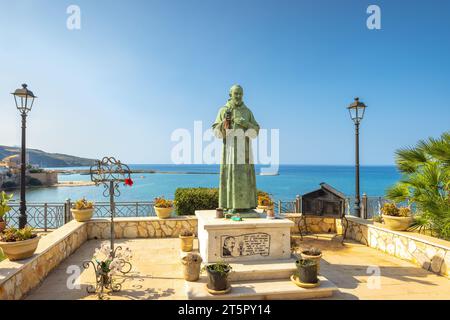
370	206
48	216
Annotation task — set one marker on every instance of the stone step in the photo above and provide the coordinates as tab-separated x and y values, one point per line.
262	270
261	289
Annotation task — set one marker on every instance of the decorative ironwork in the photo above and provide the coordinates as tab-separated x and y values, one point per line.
103	277
44	216
110	172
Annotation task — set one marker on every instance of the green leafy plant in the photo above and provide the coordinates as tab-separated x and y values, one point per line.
390	209
160	202
83	204
4	204
425	182
220	267
186	233
378	219
312	251
13	234
404	212
187	200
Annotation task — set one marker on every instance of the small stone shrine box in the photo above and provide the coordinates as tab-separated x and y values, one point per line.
325	202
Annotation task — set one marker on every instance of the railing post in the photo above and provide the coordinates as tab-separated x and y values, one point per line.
67	206
279	207
137	209
297	203
364	206
45	216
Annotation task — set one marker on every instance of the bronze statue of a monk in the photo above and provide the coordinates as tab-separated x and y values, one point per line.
236	125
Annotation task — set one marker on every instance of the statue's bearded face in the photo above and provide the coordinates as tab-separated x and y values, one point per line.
236	96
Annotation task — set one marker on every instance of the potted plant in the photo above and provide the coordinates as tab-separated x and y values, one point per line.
265	203
187	240
191	266
163	207
313	254
18	244
107	264
377	221
307	271
4	209
218	277
397	219
82	210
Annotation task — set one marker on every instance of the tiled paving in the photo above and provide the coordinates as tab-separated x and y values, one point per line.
157	273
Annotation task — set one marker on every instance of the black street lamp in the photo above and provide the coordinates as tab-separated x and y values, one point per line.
356	110
24	99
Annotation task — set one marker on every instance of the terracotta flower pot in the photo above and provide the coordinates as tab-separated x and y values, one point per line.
82	215
315	258
397	223
163	213
187	243
191	269
19	250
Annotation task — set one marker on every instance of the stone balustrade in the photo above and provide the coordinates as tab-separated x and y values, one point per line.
430	253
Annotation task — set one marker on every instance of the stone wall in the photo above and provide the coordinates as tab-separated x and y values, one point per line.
315	224
19	277
46	178
148	227
430	253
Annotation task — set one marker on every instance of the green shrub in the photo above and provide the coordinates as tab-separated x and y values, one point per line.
187	200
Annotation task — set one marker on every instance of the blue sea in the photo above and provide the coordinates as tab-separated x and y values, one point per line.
292	180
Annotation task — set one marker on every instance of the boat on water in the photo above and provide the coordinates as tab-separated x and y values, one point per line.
269	173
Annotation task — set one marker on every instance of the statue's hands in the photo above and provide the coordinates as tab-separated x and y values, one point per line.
241	122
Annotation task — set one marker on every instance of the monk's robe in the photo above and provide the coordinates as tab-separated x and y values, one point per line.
237	189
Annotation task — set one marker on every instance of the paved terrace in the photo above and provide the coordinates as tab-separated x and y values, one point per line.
157	272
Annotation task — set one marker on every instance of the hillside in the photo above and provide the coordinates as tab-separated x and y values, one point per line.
44	159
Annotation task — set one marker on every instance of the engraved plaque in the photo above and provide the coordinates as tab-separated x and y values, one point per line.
248	244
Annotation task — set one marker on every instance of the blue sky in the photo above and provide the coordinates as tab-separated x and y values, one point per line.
137	70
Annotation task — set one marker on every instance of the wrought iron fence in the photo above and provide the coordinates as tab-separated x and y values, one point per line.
372	206
40	215
54	215
287	207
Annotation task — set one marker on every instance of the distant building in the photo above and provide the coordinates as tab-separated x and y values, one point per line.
12	162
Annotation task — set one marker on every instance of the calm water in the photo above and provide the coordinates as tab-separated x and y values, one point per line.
292	180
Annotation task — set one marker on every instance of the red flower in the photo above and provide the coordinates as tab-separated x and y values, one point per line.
128	182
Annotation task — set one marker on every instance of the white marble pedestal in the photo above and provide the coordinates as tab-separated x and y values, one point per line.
247	240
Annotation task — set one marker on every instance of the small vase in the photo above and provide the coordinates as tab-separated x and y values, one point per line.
191	269
219	213
187	243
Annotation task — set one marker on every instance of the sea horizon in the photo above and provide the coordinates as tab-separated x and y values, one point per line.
292	180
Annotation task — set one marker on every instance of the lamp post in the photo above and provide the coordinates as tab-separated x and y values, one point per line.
24	100
356	110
